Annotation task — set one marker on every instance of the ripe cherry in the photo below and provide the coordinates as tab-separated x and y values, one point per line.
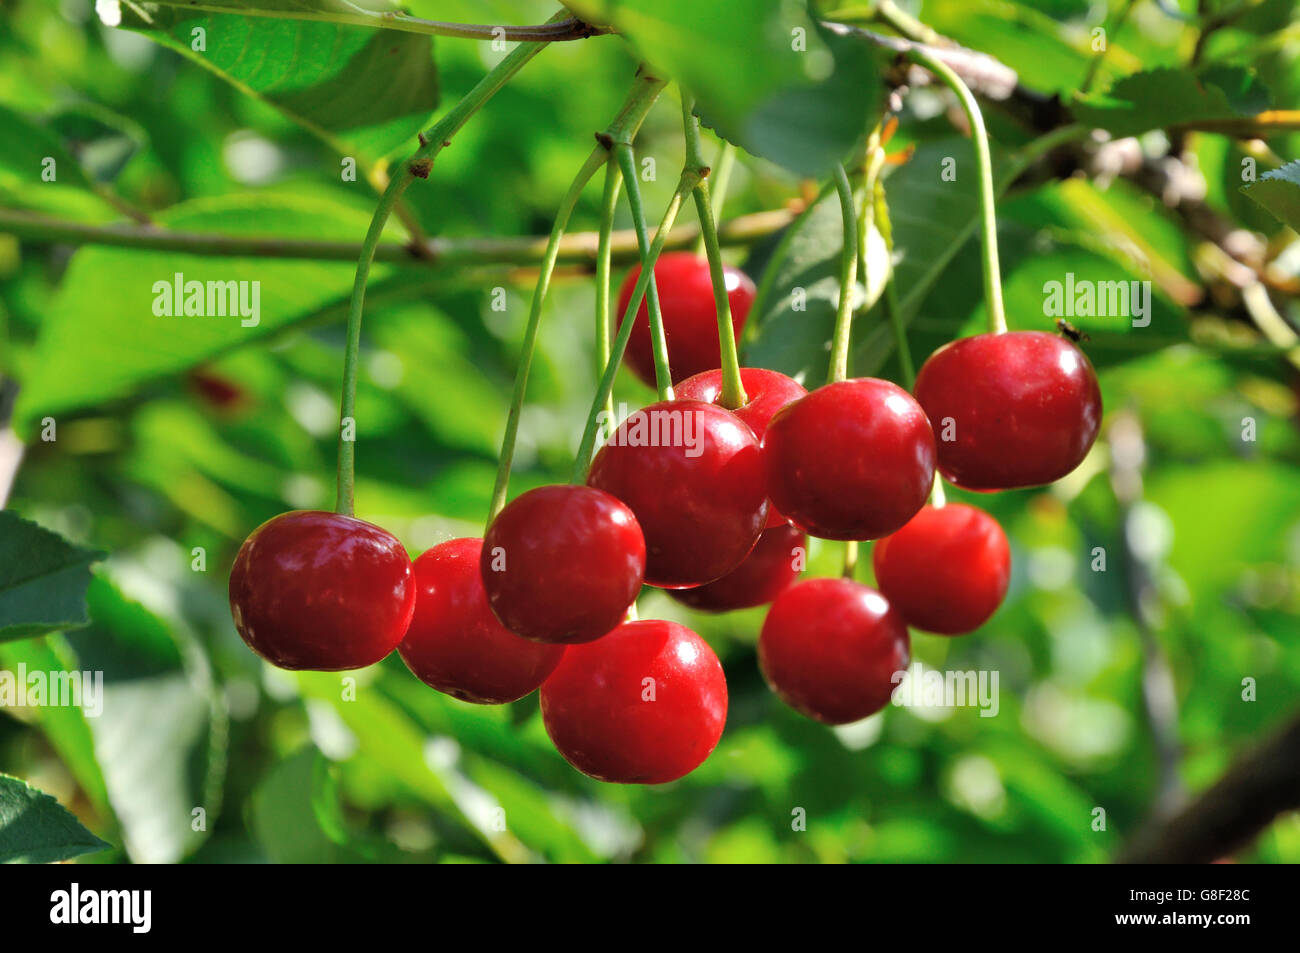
832	648
645	704
563	563
852	460
772	566
1010	410
455	643
768	391
690	316
947	570
693	475
323	591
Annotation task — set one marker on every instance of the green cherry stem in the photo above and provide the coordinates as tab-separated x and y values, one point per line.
733	390
608	205
658	340
720	176
419	165
984	167
583	459
644	92
848	279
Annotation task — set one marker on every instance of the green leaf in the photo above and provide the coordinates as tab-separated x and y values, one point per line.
36	829
1160	98
365	91
30	153
295	812
43	580
160	737
102	338
814	96
1279	192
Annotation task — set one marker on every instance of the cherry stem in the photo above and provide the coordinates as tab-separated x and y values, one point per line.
658	340
937	496
848	279
644	92
608	205
984	167
850	558
595	160
419	164
733	389
583	459
720	176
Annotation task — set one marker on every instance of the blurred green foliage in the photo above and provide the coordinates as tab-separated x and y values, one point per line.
204	753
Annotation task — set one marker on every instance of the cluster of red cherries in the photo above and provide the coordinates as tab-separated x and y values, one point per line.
717	518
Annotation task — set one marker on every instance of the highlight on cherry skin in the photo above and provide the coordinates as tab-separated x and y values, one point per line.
690	316
563	563
853	460
1010	410
456	645
645	704
321	591
833	649
947	570
766	392
692	474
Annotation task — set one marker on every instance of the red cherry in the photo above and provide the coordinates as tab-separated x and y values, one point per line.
832	649
645	704
852	460
455	643
768	391
563	563
690	316
323	591
693	475
772	566
1010	410
947	570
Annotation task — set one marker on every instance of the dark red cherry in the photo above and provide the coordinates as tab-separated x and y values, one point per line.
772	566
645	704
690	317
693	475
852	460
455	643
323	591
947	570
768	391
833	649
1010	410
563	563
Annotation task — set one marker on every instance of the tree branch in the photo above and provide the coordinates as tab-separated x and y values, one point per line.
577	247
1232	812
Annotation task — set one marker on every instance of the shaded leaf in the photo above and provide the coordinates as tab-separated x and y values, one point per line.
36	829
1159	98
1279	192
43	580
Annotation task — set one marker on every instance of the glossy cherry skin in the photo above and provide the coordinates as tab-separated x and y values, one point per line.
697	489
563	563
771	567
644	705
1010	410
690	317
852	460
947	570
833	649
456	645
768	391
322	591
